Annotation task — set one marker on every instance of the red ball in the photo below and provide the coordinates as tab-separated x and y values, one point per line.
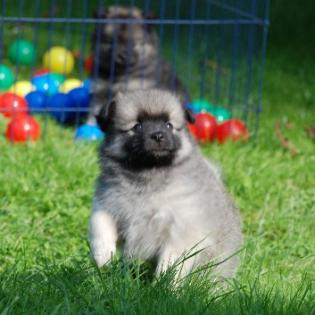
12	105
232	129
41	71
88	64
23	128
206	126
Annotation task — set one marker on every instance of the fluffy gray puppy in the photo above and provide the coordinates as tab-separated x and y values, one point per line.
127	58
156	192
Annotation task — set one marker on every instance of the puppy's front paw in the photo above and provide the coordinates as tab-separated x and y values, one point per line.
102	252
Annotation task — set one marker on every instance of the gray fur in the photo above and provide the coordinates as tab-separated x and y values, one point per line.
162	212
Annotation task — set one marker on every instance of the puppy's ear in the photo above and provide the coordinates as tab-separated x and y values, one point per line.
105	116
189	116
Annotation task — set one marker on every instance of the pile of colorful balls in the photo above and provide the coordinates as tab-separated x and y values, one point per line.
49	90
214	123
65	98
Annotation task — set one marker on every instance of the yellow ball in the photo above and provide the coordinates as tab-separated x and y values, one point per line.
70	84
59	59
22	88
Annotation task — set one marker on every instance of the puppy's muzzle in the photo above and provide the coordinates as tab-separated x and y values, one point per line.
158	136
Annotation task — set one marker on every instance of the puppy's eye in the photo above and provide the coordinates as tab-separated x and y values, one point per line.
137	127
169	125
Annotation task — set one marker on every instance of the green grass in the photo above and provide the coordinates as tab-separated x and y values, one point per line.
45	198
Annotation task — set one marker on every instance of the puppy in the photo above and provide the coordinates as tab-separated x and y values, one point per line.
156	192
126	57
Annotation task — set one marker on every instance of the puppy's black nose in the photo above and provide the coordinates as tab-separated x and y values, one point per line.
157	136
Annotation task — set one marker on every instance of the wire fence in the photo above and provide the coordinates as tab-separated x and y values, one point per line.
215	49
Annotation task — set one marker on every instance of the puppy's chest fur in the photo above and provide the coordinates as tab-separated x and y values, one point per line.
151	214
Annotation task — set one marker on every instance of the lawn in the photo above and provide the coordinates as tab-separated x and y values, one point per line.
45	199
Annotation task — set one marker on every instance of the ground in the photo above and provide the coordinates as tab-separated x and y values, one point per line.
45	199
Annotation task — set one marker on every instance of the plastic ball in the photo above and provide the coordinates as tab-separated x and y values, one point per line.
22	52
89	133
88	64
220	113
59	59
87	84
40	71
22	88
6	77
12	105
201	105
79	97
70	84
233	129
59	105
206	126
48	83
37	100
23	128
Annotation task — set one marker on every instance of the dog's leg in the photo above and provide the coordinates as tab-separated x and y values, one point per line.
171	256
103	237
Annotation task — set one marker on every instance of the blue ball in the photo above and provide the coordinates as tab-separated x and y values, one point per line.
89	133
48	83
80	97
36	100
87	84
59	107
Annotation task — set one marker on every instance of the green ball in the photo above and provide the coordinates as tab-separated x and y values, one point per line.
22	52
6	77
201	106
220	113
57	77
